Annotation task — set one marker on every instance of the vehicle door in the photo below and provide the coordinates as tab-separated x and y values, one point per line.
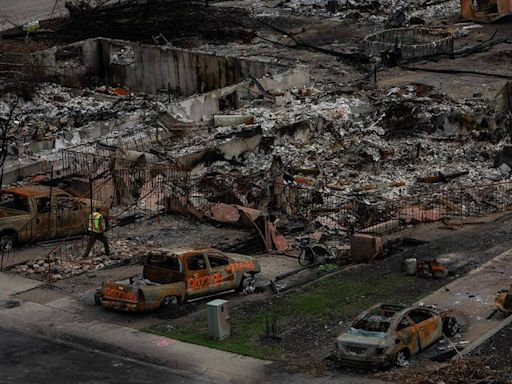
406	336
24	217
428	324
222	277
70	216
198	275
43	225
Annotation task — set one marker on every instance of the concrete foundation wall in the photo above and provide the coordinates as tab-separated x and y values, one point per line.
73	65
183	72
203	107
143	68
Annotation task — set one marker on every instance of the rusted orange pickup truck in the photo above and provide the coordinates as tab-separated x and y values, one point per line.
38	212
173	276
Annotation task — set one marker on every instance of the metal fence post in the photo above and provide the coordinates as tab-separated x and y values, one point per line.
461	206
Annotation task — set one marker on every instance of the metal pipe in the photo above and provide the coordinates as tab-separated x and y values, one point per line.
295	271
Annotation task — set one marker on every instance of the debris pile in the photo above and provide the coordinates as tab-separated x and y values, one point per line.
371	10
355	147
462	371
61	266
56	117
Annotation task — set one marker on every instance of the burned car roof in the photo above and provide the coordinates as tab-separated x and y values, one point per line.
380	317
181	252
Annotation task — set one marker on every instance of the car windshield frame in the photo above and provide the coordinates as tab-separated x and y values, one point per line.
8	198
361	332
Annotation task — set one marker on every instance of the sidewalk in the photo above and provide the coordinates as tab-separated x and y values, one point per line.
53	320
471	297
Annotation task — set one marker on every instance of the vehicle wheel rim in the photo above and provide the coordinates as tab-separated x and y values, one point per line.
453	327
6	243
401	359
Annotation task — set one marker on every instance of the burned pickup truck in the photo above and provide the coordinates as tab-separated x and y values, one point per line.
389	334
38	212
176	276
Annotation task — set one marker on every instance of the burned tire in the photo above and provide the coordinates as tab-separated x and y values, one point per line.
451	326
7	240
169	300
241	285
402	358
168	307
246	284
171	308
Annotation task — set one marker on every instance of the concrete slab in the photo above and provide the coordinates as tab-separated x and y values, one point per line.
41	295
11	285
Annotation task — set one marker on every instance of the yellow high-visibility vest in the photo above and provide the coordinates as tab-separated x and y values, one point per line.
95	222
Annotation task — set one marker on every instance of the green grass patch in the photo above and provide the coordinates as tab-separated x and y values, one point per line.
244	339
325	302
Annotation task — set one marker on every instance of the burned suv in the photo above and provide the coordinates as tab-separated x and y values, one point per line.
389	334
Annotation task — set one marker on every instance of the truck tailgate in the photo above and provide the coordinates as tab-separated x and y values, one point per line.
120	292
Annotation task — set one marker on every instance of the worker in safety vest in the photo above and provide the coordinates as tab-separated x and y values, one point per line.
96	227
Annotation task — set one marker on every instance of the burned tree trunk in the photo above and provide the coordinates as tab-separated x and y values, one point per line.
5	124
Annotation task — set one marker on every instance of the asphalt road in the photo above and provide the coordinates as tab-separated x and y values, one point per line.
27	359
21	11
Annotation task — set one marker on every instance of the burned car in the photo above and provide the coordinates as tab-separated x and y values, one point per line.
389	334
37	212
173	276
